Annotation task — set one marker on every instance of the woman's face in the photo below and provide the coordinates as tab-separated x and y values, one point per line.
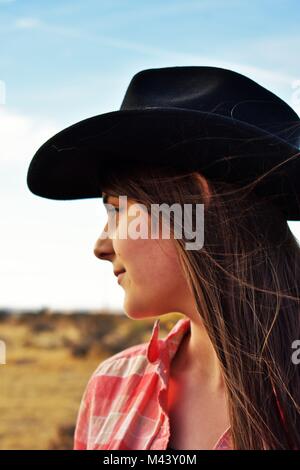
153	282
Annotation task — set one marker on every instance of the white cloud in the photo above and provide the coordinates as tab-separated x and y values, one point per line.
31	23
27	23
46	247
268	77
21	136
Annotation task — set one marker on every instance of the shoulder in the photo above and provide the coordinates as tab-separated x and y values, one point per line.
131	359
115	371
114	380
119	386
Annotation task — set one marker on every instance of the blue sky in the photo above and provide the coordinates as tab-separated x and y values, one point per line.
63	61
75	57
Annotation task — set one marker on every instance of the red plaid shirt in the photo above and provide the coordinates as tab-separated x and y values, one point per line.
124	404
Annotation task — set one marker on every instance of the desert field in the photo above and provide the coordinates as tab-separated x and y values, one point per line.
49	359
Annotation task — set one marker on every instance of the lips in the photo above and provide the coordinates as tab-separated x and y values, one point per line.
120	276
118	271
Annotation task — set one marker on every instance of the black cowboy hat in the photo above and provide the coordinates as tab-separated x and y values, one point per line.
209	119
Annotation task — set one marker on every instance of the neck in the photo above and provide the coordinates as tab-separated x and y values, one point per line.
197	359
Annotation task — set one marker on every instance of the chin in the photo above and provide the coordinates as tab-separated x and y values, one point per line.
139	311
136	314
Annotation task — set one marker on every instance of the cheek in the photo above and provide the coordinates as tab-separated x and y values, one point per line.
151	263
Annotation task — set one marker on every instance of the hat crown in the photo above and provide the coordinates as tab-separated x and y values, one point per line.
213	90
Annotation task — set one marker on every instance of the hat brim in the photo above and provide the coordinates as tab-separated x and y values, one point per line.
72	163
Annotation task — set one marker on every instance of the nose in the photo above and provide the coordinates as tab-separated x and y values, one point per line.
103	248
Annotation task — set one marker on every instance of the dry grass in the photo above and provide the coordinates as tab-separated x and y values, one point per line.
50	358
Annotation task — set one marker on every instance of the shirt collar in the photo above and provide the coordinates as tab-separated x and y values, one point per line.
170	343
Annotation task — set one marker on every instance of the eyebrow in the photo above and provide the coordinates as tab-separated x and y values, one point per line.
105	198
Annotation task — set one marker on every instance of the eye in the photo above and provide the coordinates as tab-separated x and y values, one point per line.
111	211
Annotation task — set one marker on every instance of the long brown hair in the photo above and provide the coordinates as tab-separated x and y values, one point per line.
246	284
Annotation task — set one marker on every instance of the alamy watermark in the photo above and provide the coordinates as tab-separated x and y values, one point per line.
296	354
2	92
136	225
296	93
2	352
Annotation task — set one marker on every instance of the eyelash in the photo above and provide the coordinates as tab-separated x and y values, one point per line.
117	209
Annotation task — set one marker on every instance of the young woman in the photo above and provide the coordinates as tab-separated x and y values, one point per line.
224	377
